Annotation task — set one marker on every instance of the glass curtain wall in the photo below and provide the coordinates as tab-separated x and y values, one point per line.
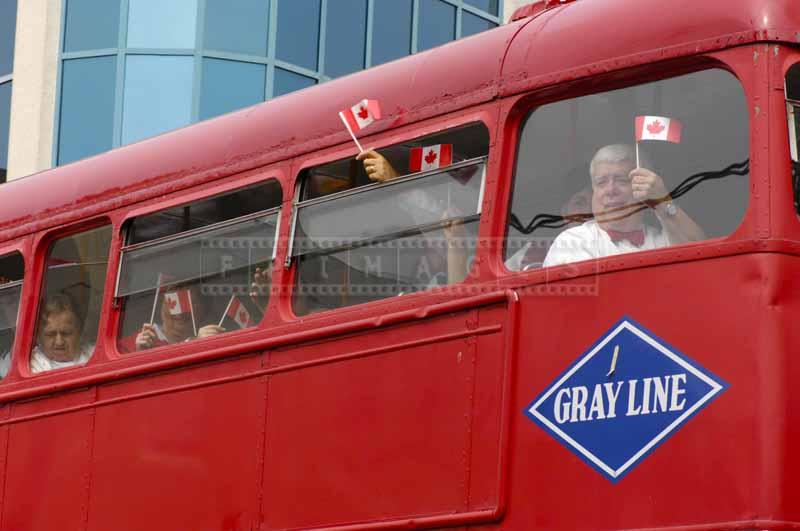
8	23
131	69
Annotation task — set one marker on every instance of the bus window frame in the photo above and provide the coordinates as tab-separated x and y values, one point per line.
487	115
23	247
226	184
41	244
735	62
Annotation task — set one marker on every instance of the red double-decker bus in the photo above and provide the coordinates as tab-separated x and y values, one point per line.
574	323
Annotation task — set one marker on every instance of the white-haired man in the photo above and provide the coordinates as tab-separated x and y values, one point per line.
621	195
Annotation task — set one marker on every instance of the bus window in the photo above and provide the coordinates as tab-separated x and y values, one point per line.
69	309
11	272
357	241
186	272
591	183
793	114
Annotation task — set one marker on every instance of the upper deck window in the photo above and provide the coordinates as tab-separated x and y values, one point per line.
358	240
12	269
186	271
793	116
586	188
72	295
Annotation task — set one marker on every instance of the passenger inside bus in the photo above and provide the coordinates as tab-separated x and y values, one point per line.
182	308
59	337
621	196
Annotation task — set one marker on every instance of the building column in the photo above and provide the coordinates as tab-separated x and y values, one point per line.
33	97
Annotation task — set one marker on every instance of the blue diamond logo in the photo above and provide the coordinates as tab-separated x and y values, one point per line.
622	398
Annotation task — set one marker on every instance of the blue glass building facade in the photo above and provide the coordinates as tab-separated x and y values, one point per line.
8	20
131	69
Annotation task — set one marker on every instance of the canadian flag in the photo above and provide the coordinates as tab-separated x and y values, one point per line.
238	312
178	302
658	128
361	114
430	157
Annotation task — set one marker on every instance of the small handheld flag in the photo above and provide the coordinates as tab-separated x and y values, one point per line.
430	157
237	312
360	116
658	128
178	302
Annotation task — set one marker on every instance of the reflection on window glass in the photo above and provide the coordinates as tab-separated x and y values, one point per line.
158	95
286	82
437	23
230	85
159	24
239	27
345	39
200	284
471	24
298	32
87	107
11	271
391	31
69	310
8	25
410	233
5	114
91	25
490	6
579	193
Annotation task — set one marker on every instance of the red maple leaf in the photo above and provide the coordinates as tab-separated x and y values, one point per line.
655	127
363	113
170	302
243	317
430	157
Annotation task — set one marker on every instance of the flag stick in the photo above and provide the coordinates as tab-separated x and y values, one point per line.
347	126
155	299
637	155
191	311
228	307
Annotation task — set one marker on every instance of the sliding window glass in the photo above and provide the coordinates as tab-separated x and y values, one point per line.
198	270
412	228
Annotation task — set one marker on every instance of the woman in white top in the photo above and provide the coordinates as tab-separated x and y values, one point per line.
58	337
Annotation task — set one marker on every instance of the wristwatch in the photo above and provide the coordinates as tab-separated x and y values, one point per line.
670	209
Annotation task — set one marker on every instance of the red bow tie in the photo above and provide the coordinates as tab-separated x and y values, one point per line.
636	237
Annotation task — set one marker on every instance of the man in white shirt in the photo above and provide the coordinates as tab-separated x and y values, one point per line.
621	195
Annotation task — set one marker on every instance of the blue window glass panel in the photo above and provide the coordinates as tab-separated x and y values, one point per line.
286	82
160	24
230	85
345	36
86	124
158	95
8	24
238	27
391	30
437	23
490	6
91	25
471	24
298	32
5	113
